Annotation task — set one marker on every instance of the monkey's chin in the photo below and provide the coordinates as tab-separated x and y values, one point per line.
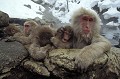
86	35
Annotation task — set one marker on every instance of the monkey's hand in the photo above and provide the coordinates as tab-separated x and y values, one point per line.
47	47
38	53
83	60
55	41
17	34
42	52
9	39
87	56
90	53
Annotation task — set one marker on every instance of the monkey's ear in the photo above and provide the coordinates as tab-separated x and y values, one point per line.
62	28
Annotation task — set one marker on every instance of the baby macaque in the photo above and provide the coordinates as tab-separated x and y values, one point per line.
41	42
63	37
12	29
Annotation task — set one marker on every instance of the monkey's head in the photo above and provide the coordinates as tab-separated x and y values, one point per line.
44	36
29	26
11	29
65	34
86	23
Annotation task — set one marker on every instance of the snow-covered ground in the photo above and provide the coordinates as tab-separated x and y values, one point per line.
72	6
16	8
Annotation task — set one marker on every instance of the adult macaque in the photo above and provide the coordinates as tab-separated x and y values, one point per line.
12	29
25	37
41	42
86	25
63	37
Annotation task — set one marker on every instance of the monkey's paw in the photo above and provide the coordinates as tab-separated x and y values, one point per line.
83	61
54	40
9	39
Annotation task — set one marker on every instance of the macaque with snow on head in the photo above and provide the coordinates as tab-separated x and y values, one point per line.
86	26
25	36
63	37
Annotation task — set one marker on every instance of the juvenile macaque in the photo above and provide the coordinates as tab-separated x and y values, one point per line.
41	42
25	37
86	25
63	37
42	36
29	26
12	29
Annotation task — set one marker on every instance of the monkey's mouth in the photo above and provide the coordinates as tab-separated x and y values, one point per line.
64	40
86	31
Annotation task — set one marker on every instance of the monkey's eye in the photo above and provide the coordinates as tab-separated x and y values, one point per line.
26	25
13	31
85	18
90	19
66	32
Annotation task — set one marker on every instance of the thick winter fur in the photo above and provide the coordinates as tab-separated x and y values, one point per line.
98	44
41	42
57	39
42	35
33	25
12	29
24	38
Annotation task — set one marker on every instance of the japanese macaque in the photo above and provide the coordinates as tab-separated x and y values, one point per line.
29	26
63	37
86	25
25	36
12	29
41	42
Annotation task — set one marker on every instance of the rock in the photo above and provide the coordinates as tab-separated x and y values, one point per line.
17	21
64	58
21	73
11	55
60	63
105	67
36	67
4	19
39	21
114	60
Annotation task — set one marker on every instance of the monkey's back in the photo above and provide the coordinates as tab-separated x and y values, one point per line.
44	35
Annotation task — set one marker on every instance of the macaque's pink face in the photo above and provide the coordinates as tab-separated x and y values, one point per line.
27	28
86	22
66	36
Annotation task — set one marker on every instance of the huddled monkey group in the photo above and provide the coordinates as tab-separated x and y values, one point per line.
83	33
